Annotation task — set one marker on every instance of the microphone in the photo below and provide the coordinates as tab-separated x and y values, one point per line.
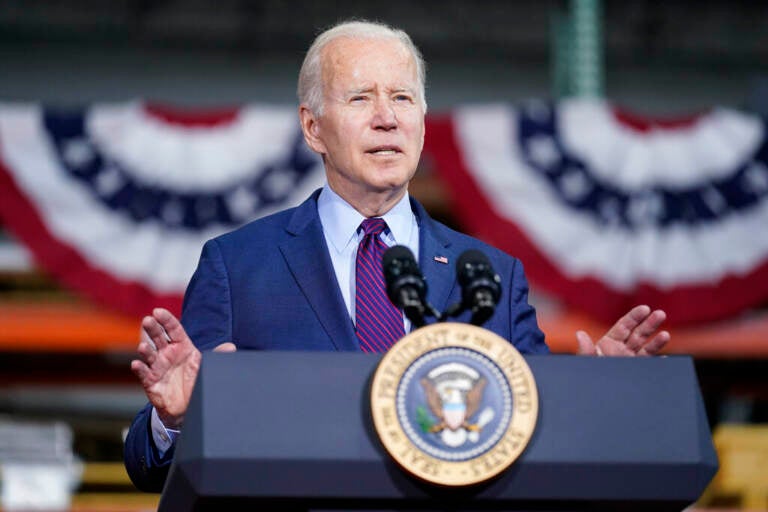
406	287
480	287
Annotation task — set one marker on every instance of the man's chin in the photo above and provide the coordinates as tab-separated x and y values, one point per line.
391	186
392	179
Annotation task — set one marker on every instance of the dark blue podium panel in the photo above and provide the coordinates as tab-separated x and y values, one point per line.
294	429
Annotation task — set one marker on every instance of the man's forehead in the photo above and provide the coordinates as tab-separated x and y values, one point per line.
347	69
344	52
366	86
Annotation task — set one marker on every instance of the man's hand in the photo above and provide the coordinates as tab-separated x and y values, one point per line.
633	335
168	365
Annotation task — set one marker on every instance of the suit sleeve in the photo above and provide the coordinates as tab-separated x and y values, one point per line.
207	318
145	467
207	311
524	329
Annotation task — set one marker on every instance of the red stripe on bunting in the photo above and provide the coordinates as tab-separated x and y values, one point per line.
645	124
66	264
204	118
683	304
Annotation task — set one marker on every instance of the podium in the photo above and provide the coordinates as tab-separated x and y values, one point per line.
293	430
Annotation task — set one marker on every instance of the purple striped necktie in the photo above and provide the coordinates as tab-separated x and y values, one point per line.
378	322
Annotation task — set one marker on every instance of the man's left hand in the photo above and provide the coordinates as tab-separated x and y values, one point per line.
633	335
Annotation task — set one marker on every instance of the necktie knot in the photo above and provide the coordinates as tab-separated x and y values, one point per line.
374	226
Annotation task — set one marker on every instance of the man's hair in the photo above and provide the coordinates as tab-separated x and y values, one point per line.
310	88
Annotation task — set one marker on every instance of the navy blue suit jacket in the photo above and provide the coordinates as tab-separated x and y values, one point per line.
270	285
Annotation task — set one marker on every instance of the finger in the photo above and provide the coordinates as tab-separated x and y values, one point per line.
645	330
225	347
142	371
144	337
655	346
147	353
586	346
623	328
155	331
171	324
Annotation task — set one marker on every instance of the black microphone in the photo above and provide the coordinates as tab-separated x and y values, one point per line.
480	285
406	287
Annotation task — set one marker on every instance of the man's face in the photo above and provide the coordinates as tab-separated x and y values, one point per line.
371	131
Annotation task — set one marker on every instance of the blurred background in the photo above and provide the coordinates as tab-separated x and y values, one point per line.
617	148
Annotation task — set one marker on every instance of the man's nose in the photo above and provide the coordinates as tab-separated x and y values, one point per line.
384	117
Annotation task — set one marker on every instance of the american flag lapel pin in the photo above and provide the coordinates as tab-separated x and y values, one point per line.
441	259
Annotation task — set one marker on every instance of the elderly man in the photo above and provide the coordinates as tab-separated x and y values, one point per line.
309	278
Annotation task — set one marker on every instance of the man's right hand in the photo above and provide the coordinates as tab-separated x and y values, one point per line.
168	365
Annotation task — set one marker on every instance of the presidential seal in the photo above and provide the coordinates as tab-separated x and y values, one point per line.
454	404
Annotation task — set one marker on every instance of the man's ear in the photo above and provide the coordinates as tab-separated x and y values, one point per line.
311	129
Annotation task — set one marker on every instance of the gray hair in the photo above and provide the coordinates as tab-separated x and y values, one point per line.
310	88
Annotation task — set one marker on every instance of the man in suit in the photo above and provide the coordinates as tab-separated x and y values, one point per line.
289	281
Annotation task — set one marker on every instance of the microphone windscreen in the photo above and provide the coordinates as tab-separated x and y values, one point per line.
471	257
474	270
397	252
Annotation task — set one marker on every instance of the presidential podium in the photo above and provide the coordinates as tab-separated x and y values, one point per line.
293	430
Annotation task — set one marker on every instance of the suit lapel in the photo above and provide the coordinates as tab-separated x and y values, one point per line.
308	259
440	276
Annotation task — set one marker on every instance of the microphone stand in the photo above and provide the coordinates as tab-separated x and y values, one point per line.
415	310
482	307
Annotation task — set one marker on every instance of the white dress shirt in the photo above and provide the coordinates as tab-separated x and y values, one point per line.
341	225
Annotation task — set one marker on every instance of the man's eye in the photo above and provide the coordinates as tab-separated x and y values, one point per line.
402	97
357	98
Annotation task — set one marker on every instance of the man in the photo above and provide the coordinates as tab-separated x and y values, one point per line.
293	280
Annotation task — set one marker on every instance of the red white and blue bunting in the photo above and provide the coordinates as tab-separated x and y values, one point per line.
117	200
605	211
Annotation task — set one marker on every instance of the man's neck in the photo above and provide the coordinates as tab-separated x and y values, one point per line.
372	204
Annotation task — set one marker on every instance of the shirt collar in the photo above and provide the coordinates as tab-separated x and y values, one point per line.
340	220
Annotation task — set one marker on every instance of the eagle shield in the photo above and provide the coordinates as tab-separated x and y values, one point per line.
454	393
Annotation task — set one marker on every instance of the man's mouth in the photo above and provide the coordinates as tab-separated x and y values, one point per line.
384	150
